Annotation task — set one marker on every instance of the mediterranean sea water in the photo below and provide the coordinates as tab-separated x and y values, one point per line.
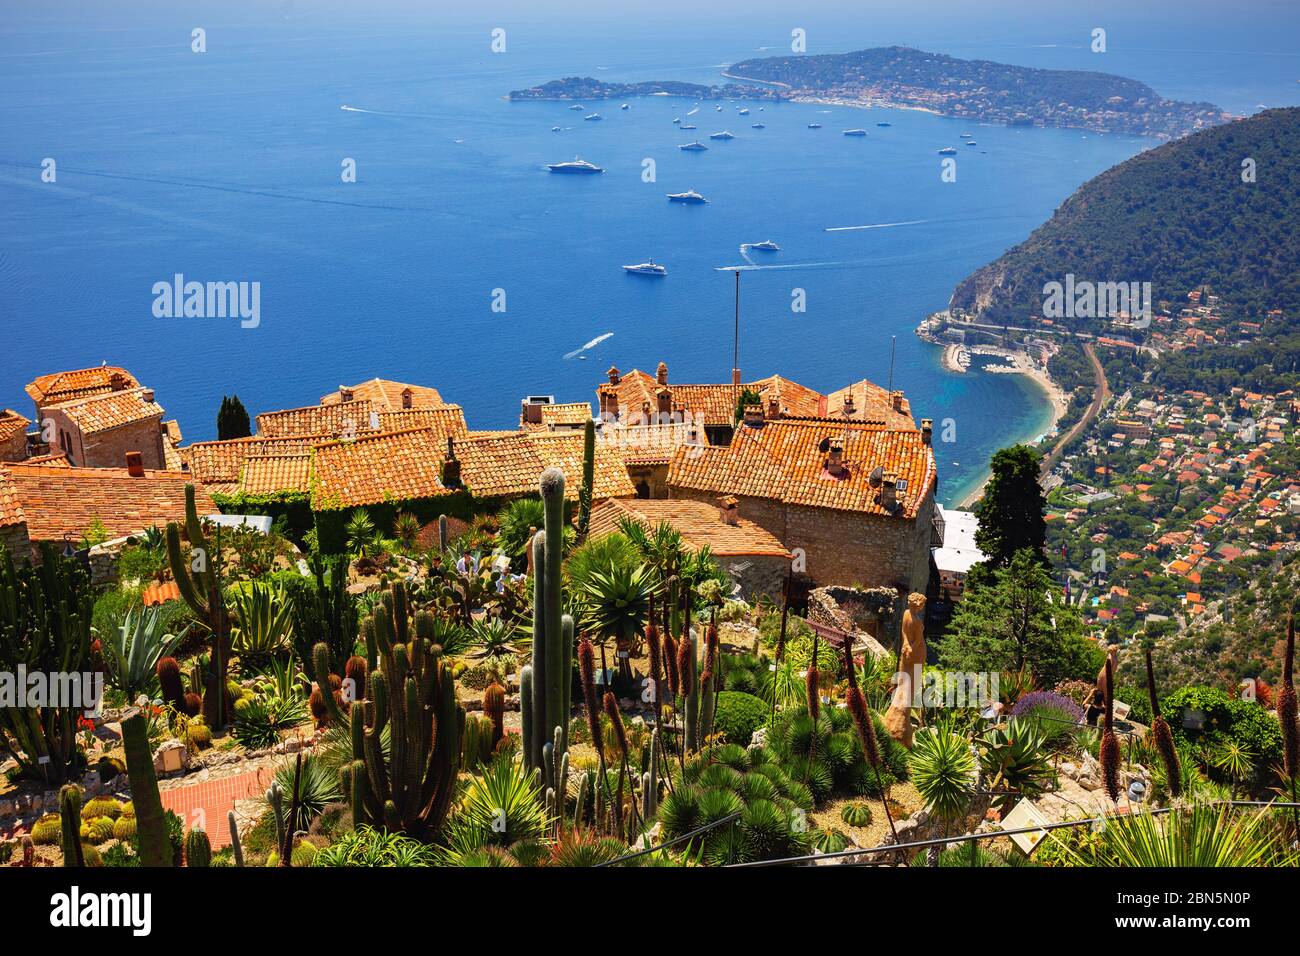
456	260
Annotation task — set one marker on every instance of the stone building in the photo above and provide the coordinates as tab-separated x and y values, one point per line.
13	435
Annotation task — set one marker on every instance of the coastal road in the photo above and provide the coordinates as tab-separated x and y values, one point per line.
1099	398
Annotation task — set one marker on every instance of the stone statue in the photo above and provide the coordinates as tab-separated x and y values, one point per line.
911	661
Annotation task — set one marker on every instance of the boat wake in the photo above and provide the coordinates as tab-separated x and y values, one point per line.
877	225
590	345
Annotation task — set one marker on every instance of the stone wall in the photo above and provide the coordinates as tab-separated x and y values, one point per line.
108	449
14	448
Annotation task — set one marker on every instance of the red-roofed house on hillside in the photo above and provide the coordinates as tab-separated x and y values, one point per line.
13	435
96	416
853	501
40	503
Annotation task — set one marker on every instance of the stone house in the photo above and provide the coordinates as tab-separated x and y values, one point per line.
13	435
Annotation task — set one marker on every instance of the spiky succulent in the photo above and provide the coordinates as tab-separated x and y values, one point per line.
616	719
670	662
587	673
1287	709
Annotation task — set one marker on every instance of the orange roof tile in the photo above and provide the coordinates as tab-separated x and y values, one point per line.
344	418
220	463
507	465
275	473
60	502
388	396
871	403
59	460
699	523
444	420
379	467
101	413
11	423
160	593
785	460
65	386
561	414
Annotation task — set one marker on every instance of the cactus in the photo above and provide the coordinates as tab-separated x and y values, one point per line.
275	797
442	533
709	679
650	780
552	665
526	712
70	818
324	705
173	686
494	708
200	587
45	615
237	848
47	830
412	693
29	852
585	493
97	831
124	828
150	823
198	851
102	807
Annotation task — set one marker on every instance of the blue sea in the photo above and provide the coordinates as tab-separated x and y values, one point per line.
456	260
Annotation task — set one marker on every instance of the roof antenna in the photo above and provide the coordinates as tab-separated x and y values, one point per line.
893	341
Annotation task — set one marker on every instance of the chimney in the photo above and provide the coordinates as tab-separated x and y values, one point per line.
135	464
451	466
608	396
896	400
927	431
729	510
850	409
532	412
117	381
661	374
735	376
753	415
664	397
408	398
614	375
835	458
345	393
889	490
773	408
147	394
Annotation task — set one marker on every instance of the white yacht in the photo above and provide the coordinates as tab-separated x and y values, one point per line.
625	107
690	196
948	151
757	126
650	268
855	132
689	126
767	245
744	112
593	116
577	166
576	106
696	147
725	134
814	125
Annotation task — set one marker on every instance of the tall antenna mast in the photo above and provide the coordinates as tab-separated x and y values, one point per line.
893	342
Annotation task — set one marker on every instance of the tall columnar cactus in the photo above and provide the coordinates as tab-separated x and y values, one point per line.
650	780
236	847
553	635
494	708
412	693
587	492
70	818
275	797
200	587
45	614
709	679
151	826
442	533
198	849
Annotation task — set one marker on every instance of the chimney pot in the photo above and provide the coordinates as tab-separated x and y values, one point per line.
896	399
117	381
729	510
835	459
147	394
773	408
735	376
345	394
532	412
661	373
850	409
889	490
451	466
408	398
927	431
753	415
664	396
614	375
135	464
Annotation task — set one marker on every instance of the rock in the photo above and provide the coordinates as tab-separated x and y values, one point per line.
91	783
160	756
759	739
7	808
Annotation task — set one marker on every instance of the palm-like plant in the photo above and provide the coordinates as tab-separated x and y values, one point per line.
499	808
132	651
362	535
1236	760
943	771
616	604
265	621
518	520
1200	835
1015	761
493	636
406	529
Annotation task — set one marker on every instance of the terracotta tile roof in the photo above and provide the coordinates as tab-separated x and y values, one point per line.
101	413
871	403
160	593
698	522
270	474
387	396
11	423
59	502
218	464
65	386
11	508
511	464
346	418
384	466
650	444
444	420
785	460
560	415
59	460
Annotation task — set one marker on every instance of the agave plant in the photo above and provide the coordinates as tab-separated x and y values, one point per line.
132	651
265	621
406	529
616	602
501	807
943	771
362	535
493	637
1236	760
1015	761
368	847
317	787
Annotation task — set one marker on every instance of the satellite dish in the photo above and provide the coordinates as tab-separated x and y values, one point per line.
876	475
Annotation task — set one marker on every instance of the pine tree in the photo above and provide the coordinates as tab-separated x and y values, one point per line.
232	419
1011	510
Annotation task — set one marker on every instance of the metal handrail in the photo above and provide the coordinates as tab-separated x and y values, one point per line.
729	818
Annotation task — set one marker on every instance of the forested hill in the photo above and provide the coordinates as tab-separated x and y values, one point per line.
983	89
1219	208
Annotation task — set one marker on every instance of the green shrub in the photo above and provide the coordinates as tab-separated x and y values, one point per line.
738	715
1226	719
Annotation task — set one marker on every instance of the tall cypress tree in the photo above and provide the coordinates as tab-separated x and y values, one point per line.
1011	511
232	419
